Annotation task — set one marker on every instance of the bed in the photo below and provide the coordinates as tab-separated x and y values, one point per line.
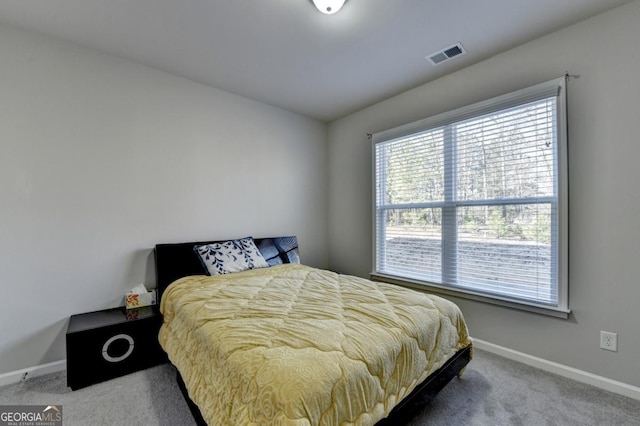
293	345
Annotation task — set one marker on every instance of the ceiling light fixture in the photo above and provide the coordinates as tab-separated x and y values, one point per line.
328	7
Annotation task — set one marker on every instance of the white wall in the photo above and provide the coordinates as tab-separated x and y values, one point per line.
100	159
604	176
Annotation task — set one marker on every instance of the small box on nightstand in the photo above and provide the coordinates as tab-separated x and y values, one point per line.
106	344
140	300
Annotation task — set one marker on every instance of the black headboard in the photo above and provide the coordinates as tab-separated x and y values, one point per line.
178	260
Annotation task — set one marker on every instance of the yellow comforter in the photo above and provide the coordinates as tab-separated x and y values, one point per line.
294	345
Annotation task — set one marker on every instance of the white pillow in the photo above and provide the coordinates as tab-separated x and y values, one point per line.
226	257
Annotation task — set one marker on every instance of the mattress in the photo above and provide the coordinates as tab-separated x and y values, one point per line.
295	345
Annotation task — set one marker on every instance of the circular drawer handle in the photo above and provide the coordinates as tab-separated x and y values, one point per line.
105	348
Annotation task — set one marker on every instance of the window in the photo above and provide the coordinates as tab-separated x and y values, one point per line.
475	200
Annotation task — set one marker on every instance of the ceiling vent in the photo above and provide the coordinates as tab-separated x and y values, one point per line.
446	54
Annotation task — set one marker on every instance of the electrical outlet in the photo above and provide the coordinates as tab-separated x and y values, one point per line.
609	341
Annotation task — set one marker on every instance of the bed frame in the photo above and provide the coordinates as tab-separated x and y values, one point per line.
174	261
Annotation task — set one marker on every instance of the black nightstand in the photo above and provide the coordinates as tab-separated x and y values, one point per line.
105	344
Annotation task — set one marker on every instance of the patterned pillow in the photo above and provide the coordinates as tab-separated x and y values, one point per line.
230	256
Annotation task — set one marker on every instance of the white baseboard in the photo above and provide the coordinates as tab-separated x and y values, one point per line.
26	373
561	370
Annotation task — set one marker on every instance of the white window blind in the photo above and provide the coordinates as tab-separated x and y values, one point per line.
474	200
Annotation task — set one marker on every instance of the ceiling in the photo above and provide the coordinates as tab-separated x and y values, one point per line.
286	53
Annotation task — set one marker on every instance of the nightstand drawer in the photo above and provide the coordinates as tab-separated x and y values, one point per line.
106	344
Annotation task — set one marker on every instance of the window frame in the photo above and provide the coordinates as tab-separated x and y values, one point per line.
556	87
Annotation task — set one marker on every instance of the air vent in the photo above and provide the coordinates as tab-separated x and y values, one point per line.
446	54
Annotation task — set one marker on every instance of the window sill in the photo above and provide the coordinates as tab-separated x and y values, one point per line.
434	288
